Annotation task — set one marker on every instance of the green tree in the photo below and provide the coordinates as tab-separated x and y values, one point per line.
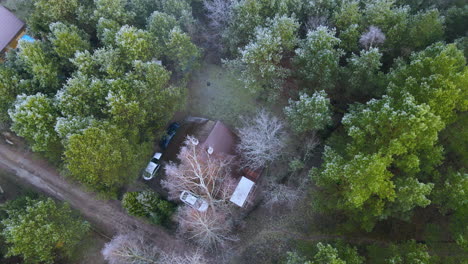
425	28
101	158
82	96
364	75
114	10
41	64
160	25
248	15
43	231
402	148
328	254
182	51
181	10
148	85
318	58
143	9
260	59
401	128
437	76
309	112
66	40
148	204
458	226
49	11
347	19
392	20
136	43
34	118
107	30
9	88
409	252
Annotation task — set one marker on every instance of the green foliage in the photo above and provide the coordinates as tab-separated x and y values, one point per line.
66	40
408	253
404	31
455	18
392	142
309	112
82	96
9	88
181	10
106	31
437	76
135	43
49	11
182	51
34	118
296	165
392	20
101	158
160	25
455	140
249	15
364	75
260	59
452	193
347	19
425	28
148	204
143	9
328	254
41	64
318	58
459	228
42	230
402	129
113	10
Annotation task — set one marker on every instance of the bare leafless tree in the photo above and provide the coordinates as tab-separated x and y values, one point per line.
132	248
313	22
373	37
219	13
201	173
208	176
209	229
281	194
262	139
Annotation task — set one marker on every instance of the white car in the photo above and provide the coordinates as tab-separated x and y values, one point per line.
194	201
153	166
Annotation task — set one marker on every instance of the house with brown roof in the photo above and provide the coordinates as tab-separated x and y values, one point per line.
11	29
222	141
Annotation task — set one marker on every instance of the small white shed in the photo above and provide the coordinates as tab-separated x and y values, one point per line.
242	191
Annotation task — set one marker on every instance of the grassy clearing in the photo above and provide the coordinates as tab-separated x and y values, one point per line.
217	95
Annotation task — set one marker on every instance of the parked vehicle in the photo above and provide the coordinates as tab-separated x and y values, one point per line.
194	201
153	166
171	131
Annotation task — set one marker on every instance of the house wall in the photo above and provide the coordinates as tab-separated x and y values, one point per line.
14	42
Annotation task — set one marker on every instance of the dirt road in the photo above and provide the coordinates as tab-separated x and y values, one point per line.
107	216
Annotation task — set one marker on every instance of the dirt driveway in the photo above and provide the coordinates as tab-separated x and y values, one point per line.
107	216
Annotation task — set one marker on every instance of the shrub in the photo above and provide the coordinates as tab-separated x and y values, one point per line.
148	204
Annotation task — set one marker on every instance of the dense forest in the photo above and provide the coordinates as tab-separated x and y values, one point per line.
376	89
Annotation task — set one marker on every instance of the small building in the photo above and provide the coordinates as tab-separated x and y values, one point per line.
243	190
220	140
11	29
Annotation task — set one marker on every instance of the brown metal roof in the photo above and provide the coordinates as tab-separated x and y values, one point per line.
221	139
10	26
